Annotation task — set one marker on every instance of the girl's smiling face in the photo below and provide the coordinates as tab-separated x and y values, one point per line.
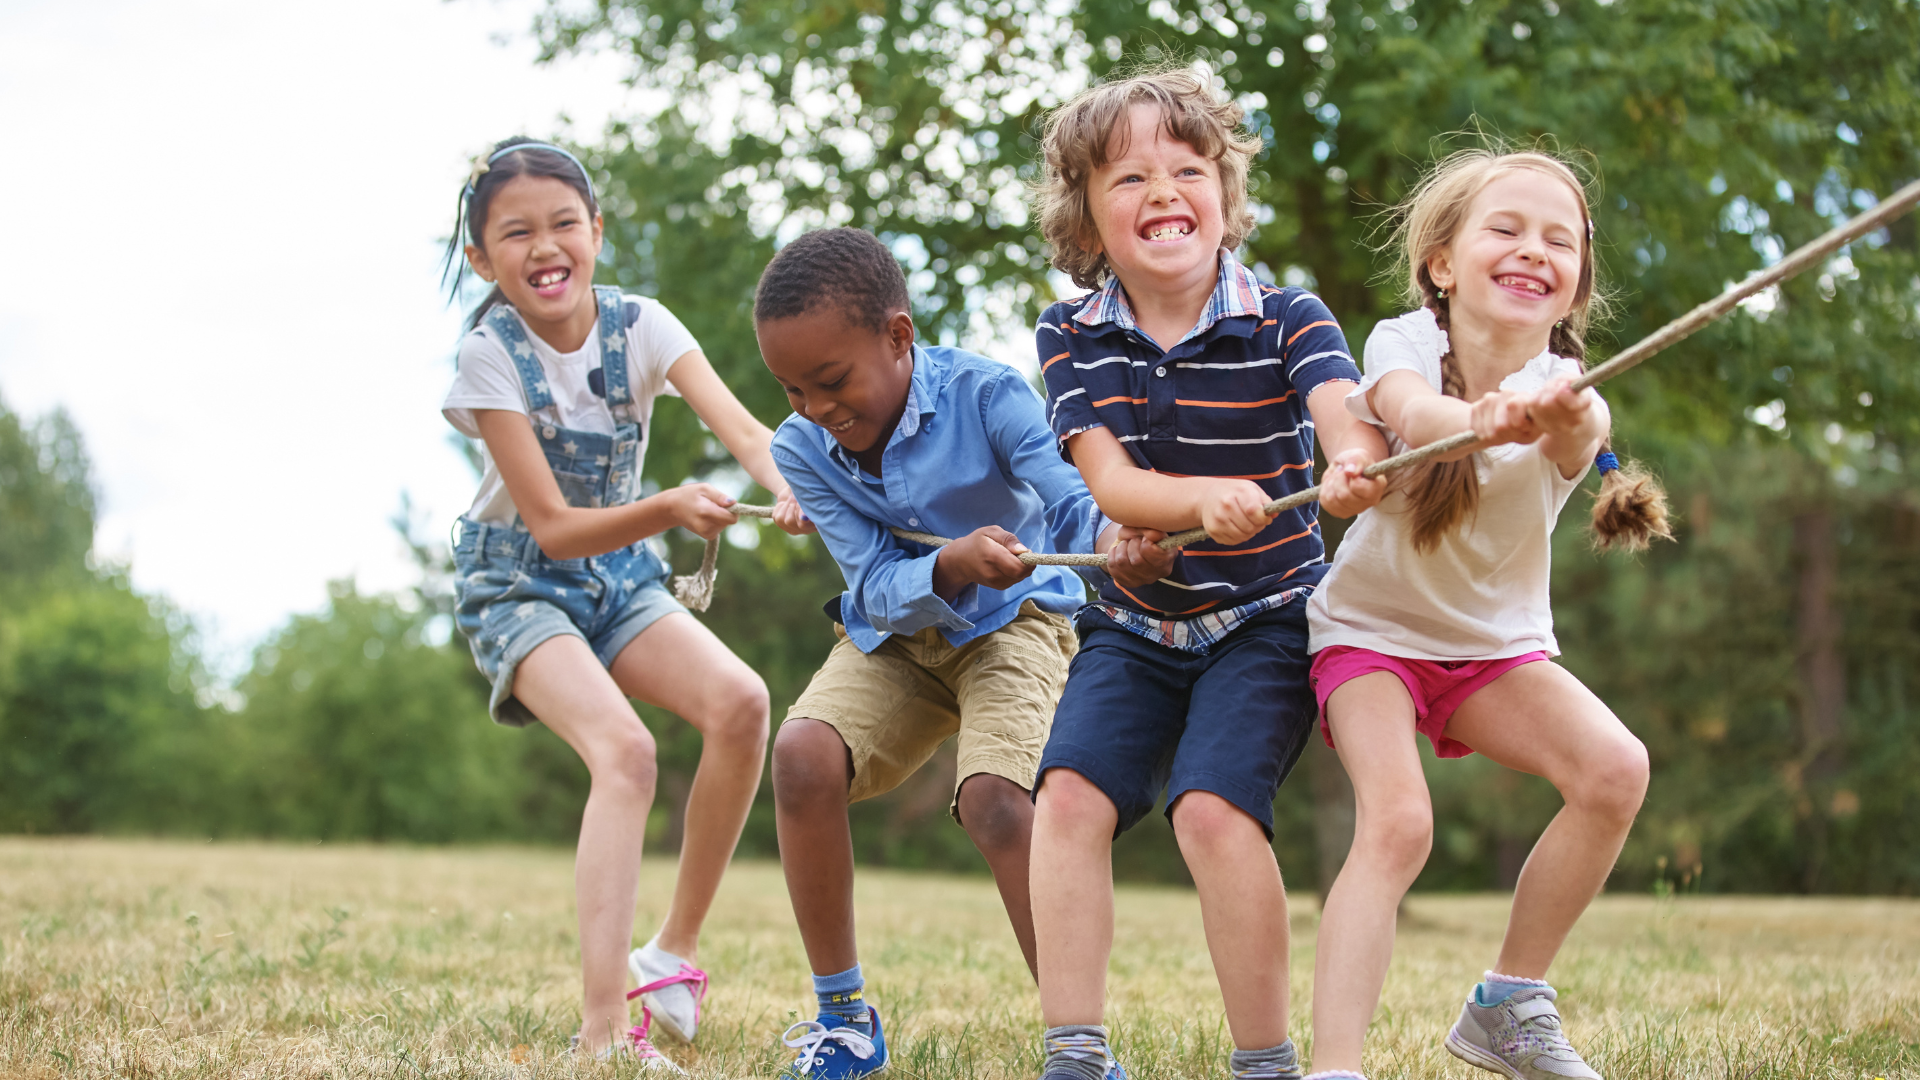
1156	206
1515	263
540	246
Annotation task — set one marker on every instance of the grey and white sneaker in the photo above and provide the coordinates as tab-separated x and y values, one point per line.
1520	1037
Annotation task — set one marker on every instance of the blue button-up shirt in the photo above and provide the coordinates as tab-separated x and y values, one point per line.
972	449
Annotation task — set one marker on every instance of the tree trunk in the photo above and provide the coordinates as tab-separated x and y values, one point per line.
1823	678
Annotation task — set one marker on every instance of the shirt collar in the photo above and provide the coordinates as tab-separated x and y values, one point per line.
921	403
1235	292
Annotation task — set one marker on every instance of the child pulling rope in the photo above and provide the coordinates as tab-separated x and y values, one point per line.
696	590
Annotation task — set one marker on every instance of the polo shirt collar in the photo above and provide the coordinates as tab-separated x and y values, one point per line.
922	397
1236	292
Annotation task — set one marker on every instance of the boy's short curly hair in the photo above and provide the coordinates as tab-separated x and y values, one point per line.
1079	134
848	268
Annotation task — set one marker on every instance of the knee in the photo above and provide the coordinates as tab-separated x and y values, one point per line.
737	714
627	758
810	762
1613	783
1069	802
996	813
1205	822
1399	835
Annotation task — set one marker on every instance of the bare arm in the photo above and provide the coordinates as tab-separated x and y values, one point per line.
1573	425
1419	414
1231	510
745	437
1351	444
571	532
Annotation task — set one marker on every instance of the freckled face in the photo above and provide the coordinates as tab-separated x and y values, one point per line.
1157	206
1516	260
842	376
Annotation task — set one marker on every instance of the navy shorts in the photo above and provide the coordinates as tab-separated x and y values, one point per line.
1138	716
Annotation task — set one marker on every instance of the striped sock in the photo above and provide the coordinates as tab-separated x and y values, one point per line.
842	995
1076	1052
1274	1063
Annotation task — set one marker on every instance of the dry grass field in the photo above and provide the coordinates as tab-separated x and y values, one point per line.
157	959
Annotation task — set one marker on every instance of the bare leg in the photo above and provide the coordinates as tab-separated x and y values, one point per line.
679	665
1072	891
1243	906
1373	725
563	684
1539	719
998	817
812	775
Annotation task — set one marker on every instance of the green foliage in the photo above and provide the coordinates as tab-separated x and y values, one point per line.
374	732
98	723
46	505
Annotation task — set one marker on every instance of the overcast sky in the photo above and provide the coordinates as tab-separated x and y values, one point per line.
224	218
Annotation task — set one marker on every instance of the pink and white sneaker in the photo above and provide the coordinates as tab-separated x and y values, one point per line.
639	1046
670	989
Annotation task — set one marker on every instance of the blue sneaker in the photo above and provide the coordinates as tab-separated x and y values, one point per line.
832	1049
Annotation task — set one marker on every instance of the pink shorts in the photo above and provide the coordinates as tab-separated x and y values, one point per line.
1437	686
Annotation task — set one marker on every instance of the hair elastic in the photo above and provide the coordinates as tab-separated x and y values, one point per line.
1606	463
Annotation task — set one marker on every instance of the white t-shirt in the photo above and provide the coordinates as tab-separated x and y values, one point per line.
1482	593
487	379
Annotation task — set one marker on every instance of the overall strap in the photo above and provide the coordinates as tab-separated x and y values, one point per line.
613	350
513	337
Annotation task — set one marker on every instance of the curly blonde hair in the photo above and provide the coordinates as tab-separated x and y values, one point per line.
1630	509
1077	140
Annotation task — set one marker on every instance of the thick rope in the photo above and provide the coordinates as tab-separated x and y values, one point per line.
696	590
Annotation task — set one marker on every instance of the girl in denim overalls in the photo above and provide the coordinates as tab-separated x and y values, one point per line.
562	600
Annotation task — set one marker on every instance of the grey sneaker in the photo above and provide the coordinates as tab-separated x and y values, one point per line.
1519	1037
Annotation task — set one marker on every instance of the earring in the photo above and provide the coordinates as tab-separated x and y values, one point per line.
1441	293
1560	325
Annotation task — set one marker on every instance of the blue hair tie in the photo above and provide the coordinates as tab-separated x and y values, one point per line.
1606	463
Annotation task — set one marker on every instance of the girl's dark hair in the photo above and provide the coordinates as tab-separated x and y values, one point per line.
490	174
1630	508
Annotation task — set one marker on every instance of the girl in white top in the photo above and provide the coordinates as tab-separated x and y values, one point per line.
559	595
1434	618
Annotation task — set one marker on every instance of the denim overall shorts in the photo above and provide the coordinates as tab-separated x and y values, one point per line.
509	595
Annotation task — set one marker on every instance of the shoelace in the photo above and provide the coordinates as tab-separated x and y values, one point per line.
813	1040
696	981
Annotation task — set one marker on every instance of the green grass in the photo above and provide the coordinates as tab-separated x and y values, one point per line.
159	959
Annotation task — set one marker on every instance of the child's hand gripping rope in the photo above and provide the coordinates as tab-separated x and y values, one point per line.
696	590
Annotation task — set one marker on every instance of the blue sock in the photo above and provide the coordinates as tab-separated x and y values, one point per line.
841	995
1495	988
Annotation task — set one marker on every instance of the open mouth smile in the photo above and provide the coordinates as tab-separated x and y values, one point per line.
550	281
1167	230
1522	284
843	426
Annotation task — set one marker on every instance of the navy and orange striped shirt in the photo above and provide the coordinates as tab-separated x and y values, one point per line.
1229	399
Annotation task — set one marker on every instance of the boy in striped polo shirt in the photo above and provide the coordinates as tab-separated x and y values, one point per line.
1188	393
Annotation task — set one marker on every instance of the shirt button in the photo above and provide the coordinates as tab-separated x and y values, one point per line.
915	522
1160	371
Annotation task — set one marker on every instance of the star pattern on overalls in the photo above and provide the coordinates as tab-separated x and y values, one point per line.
570	447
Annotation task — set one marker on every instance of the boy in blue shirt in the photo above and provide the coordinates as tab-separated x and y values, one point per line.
887	434
1188	393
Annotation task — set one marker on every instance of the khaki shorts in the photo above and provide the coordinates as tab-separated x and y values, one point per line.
893	707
